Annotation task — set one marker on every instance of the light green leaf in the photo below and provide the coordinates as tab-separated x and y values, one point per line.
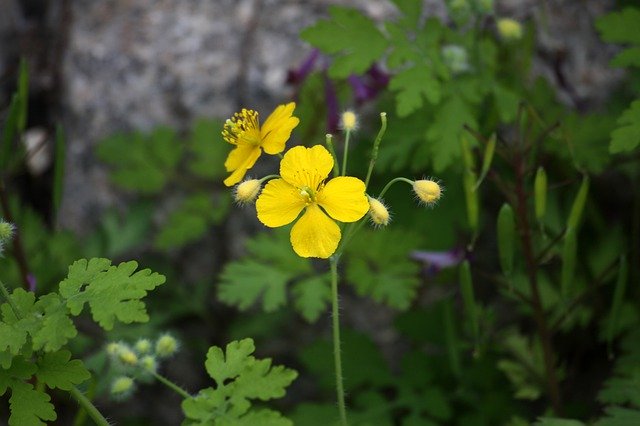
29	407
349	35
141	162
208	148
618	416
112	292
506	102
242	283
311	296
620	27
412	86
56	327
551	421
386	275
228	365
191	220
627	136
57	370
444	133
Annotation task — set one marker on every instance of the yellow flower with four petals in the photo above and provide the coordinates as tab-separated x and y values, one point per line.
244	131
302	186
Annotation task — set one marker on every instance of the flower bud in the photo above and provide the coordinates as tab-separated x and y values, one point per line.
509	29
455	57
378	212
166	346
349	121
127	356
247	191
122	387
6	230
428	191
149	363
143	346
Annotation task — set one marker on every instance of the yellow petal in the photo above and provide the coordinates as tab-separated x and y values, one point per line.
315	234
279	203
241	159
306	166
344	199
276	130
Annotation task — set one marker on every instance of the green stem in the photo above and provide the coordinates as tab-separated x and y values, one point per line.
391	182
376	145
177	389
345	154
329	143
7	296
91	409
337	356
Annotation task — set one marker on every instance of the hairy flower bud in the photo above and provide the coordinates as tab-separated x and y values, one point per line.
509	29
378	212
143	346
122	387
349	121
166	346
127	356
428	191
247	191
149	363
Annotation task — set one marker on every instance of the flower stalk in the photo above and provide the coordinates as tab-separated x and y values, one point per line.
337	356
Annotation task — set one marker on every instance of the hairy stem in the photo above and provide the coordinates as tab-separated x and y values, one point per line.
88	406
177	389
337	355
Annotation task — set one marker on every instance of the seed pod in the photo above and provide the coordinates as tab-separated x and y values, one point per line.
616	303
487	159
578	204
540	193
471	197
506	238
466	288
467	154
568	262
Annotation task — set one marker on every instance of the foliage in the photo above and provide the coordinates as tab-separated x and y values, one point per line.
239	378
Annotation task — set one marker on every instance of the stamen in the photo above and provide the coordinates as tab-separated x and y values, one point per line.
243	124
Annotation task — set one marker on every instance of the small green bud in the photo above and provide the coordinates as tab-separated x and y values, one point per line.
540	193
578	204
149	363
6	230
122	387
128	357
143	346
166	346
114	349
456	58
509	29
569	253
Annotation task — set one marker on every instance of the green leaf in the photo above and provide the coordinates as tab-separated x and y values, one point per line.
506	102
618	416
56	327
620	27
112	292
379	267
14	331
311	296
411	9
208	149
552	421
506	228
627	135
239	377
229	364
57	370
577	208
627	58
191	220
349	35
242	283
413	85
19	371
140	162
444	133
29	407
269	266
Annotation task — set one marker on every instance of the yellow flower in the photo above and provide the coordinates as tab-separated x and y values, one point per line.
302	186
244	131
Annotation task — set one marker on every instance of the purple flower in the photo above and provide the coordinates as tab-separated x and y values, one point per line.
297	76
434	261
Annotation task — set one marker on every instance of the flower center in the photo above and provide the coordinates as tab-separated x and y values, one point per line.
243	127
308	195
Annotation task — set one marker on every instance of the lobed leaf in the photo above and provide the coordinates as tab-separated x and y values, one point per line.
57	370
626	136
112	292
